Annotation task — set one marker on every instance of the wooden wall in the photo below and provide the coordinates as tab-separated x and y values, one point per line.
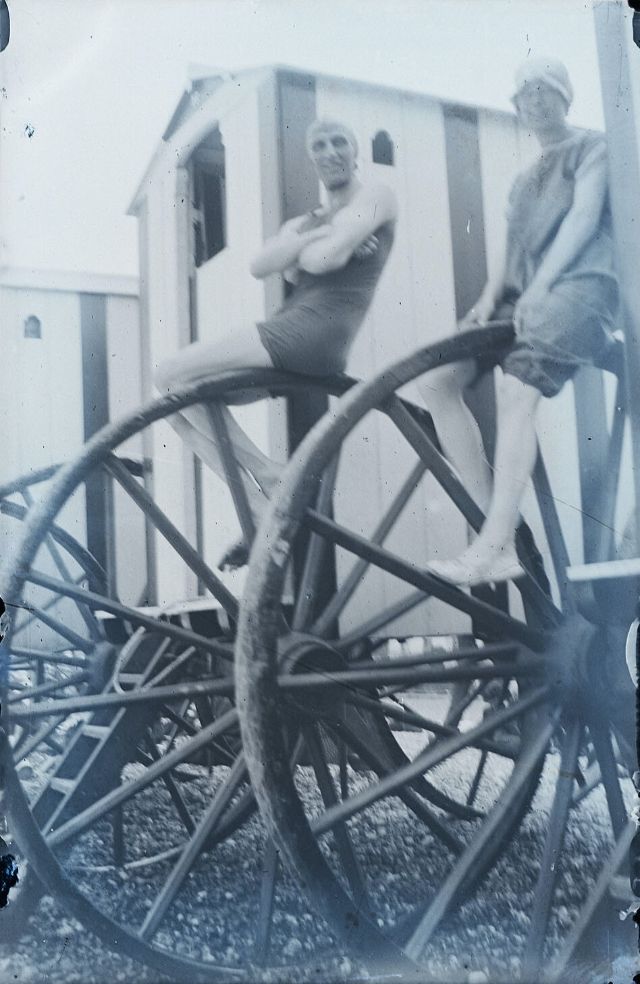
125	395
49	406
415	305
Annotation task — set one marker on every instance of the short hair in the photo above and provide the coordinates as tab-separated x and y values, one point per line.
325	123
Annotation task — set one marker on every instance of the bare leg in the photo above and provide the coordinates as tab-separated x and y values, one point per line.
248	455
207	450
515	459
492	556
241	350
457	428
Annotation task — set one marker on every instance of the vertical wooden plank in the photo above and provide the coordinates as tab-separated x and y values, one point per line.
186	301
273	206
125	395
146	389
95	382
620	81
172	488
593	440
468	240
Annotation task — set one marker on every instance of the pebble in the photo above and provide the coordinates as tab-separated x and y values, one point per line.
216	904
293	947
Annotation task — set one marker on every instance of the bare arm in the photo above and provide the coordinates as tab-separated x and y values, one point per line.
372	206
494	287
489	297
281	251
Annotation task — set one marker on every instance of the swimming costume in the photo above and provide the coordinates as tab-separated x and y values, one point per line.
572	325
314	330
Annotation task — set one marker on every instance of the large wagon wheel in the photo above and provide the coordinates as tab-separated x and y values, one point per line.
128	790
37	647
543	693
41	656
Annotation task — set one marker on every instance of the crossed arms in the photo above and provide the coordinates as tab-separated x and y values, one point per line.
330	246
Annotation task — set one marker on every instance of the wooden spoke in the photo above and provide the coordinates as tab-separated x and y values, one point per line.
77	641
406	716
172	534
346	852
496	651
23	624
171	668
32	693
215	413
34	478
270	869
343	761
77	824
534	950
337	604
457	710
477	779
179	720
425	760
156	695
489	616
467	868
378	622
381	675
26	745
316	551
556	974
192	850
132	615
60	658
444	474
592	778
601	738
404	792
553	530
62	568
174	792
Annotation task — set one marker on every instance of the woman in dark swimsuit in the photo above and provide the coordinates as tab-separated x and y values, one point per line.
334	257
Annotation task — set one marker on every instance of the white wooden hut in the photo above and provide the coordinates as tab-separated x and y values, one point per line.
71	363
231	168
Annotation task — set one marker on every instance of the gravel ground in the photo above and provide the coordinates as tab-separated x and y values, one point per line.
480	942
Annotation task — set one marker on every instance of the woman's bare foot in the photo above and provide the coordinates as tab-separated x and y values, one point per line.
237	555
480	563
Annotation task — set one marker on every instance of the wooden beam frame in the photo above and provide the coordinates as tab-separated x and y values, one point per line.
613	34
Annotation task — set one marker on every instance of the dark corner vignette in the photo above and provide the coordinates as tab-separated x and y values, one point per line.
635	844
5	25
8	865
635	6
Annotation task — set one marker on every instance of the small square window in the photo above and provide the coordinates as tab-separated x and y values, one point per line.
32	327
382	150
